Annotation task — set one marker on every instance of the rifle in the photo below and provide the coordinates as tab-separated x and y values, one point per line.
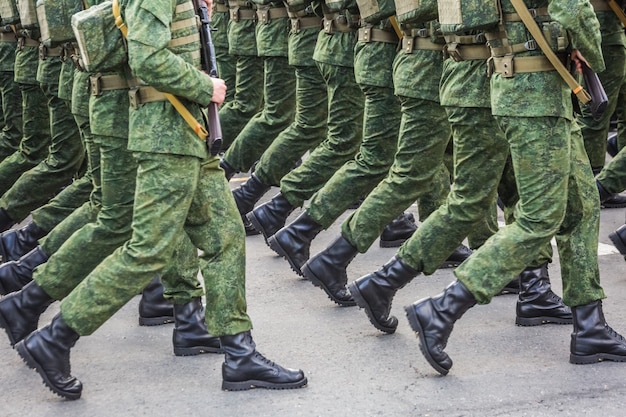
599	100
209	65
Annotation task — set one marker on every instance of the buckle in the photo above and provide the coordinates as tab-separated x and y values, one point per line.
134	98
533	12
530	45
452	50
422	33
95	85
43	51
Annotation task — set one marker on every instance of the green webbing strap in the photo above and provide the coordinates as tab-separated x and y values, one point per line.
534	30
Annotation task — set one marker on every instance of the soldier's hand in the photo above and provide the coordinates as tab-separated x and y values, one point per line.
209	5
219	90
578	59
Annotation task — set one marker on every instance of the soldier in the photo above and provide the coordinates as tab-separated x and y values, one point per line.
171	199
225	62
556	194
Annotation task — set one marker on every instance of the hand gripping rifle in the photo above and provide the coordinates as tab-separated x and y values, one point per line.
209	65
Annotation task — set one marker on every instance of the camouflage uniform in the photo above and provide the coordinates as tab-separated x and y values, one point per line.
11	133
612	78
66	152
417	169
178	189
553	175
311	109
225	61
278	110
334	55
248	71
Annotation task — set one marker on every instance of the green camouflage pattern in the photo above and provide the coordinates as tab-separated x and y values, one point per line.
242	37
464	84
306	132
225	62
54	18
26	64
611	29
279	103
180	277
336	49
381	123
66	80
458	16
373	11
344	134
7	56
301	47
613	175
11	120
35	140
524	94
65	156
271	37
416	11
80	94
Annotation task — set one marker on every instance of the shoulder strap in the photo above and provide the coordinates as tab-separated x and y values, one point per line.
534	30
180	107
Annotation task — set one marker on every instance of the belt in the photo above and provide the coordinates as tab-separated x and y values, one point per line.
99	83
45	52
144	94
411	43
299	24
514	17
265	15
509	65
8	37
22	42
237	13
369	34
467	52
336	22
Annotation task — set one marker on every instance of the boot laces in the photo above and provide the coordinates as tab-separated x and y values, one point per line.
614	334
261	357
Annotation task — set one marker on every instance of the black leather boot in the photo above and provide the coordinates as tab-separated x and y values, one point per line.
15	243
611	144
593	340
610	200
245	368
20	311
15	274
5	221
191	336
154	309
618	237
48	352
270	217
293	242
460	254
513	287
537	304
229	171
327	270
374	292
433	319
248	193
398	231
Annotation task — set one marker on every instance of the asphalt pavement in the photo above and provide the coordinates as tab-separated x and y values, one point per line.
353	369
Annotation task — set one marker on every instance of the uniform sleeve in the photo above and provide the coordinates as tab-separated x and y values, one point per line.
149	33
581	23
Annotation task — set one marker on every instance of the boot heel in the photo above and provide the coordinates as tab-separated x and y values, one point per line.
417	328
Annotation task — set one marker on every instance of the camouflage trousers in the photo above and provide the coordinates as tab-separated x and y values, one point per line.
66	154
343	138
307	130
275	116
11	121
175	195
556	194
80	200
225	61
35	140
612	78
480	152
417	172
613	175
357	177
247	100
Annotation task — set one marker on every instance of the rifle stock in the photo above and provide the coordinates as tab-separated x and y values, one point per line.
209	65
599	100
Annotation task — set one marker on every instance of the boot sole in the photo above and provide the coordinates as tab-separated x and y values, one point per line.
318	283
155	321
538	321
258	226
391	243
197	350
599	357
361	303
417	328
276	247
450	264
22	350
247	385
617	242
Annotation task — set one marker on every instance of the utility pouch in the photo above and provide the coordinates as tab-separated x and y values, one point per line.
28	13
556	36
459	16
373	11
416	11
55	20
9	13
102	47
